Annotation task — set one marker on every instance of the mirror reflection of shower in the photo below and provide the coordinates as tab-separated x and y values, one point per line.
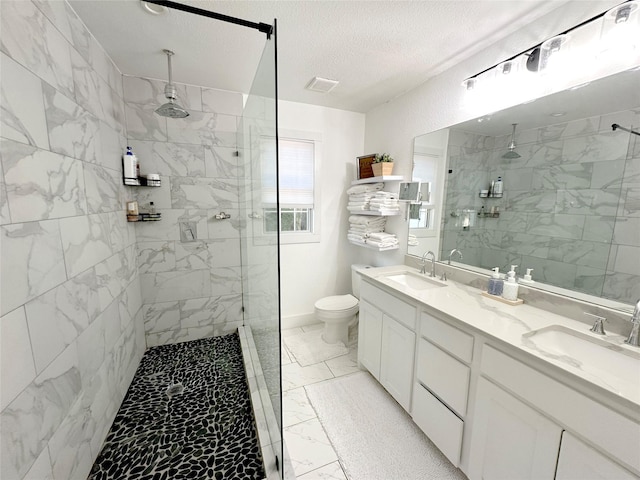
511	153
171	109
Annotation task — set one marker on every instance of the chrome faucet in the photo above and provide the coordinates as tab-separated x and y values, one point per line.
634	336
424	263
455	250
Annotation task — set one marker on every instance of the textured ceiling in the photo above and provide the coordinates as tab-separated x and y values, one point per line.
376	49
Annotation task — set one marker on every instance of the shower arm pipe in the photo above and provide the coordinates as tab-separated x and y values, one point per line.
169	55
615	126
263	27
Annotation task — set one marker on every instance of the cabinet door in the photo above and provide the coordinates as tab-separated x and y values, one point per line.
370	338
510	440
578	461
396	361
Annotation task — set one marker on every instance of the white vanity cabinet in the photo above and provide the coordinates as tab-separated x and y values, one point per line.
441	389
386	340
369	337
495	409
396	360
510	439
578	461
525	425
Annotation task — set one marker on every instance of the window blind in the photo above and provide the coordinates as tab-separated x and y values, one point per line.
296	172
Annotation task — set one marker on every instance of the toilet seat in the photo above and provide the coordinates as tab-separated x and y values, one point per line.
337	303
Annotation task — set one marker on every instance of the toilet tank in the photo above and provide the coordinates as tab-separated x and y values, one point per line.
355	278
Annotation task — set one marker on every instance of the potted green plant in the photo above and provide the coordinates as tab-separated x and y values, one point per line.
382	164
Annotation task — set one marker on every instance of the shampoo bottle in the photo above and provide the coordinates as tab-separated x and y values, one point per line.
497	188
510	288
495	282
130	168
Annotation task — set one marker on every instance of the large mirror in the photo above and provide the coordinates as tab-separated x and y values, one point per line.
570	202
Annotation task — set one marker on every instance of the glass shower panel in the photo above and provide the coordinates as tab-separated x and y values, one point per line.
260	250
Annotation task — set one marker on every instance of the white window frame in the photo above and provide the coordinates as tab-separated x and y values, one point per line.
313	236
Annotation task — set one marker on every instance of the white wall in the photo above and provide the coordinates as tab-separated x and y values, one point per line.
436	104
310	271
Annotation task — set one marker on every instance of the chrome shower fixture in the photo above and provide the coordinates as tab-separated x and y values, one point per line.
512	145
171	109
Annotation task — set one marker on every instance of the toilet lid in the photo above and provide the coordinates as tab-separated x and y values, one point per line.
337	302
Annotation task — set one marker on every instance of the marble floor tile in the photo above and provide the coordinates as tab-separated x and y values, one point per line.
315	326
308	446
345	364
285	355
293	375
333	471
291	331
296	407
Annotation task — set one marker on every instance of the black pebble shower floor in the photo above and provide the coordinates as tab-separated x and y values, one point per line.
200	431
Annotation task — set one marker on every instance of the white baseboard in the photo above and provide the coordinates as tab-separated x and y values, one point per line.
294	321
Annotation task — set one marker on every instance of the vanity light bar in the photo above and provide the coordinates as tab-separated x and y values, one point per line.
621	13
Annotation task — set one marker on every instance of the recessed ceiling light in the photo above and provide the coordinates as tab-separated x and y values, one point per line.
322	85
558	114
153	9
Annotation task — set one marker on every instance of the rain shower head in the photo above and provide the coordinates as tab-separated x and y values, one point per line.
171	109
511	153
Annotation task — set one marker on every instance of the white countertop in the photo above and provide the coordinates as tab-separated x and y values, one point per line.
507	324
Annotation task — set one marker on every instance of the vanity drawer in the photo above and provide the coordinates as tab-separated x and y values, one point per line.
442	427
445	376
394	307
454	341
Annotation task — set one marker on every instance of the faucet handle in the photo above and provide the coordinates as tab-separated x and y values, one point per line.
598	324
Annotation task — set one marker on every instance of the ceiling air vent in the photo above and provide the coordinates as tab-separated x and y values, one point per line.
322	85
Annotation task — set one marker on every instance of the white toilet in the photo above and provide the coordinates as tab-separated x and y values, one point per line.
338	312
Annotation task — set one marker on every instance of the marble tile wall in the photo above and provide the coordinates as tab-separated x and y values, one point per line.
570	210
190	290
72	331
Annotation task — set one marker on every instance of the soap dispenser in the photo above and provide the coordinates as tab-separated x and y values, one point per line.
495	282
527	277
510	288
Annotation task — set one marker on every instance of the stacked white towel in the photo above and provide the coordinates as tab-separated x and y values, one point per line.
385	203
359	202
365	188
382	240
361	227
365	220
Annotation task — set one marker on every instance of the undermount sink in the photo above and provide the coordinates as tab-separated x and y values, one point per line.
587	353
414	281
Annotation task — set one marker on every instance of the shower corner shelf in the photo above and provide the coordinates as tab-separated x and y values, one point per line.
145	217
142	182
